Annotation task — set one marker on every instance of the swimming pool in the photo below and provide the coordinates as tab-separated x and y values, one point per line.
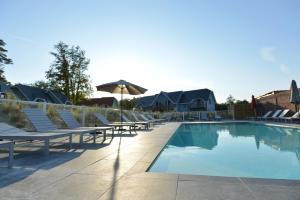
233	150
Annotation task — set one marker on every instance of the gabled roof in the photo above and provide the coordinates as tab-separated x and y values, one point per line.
162	93
177	97
60	97
188	96
109	101
146	101
29	93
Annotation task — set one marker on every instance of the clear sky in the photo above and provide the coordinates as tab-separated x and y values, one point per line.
231	47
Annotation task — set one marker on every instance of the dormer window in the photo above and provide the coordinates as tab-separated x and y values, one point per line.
39	100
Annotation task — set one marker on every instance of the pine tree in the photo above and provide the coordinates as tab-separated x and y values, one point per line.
4	60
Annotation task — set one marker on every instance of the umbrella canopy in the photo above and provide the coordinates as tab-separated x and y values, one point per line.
121	87
294	94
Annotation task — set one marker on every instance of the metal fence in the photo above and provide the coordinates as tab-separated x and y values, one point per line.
11	112
196	115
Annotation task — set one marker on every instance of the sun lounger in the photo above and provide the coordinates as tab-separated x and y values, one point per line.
72	123
167	116
282	115
203	116
8	132
143	117
117	125
150	117
218	117
10	146
275	115
268	114
42	123
293	118
146	124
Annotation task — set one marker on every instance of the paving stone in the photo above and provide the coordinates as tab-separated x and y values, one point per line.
142	189
75	186
267	192
191	190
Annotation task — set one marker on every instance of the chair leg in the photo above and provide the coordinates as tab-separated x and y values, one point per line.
11	155
70	141
104	135
81	139
94	138
46	148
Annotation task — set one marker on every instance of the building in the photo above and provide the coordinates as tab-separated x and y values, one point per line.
106	102
180	101
29	93
4	89
278	99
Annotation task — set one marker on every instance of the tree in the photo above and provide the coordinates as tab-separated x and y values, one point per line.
4	60
128	104
41	84
68	72
230	100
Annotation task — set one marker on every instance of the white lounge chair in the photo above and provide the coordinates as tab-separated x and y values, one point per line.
10	146
8	132
72	123
275	115
282	115
150	117
203	116
117	125
265	116
294	117
42	123
218	117
146	124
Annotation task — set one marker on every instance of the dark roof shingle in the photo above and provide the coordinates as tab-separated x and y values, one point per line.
178	96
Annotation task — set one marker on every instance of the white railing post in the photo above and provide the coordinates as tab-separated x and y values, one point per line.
233	114
182	116
82	116
44	107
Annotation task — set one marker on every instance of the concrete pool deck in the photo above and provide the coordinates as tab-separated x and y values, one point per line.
116	170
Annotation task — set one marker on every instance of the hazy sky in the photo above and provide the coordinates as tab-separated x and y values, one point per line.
231	47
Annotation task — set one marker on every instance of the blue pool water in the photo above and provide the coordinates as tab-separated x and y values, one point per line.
232	149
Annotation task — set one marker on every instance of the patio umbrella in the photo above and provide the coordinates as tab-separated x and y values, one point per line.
294	94
121	87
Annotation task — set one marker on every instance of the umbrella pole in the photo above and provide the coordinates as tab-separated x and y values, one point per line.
121	107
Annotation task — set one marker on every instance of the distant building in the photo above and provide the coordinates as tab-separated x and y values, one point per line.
106	102
180	101
29	93
4	89
278	99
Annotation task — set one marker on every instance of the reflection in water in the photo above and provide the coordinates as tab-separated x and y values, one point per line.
199	136
232	149
278	138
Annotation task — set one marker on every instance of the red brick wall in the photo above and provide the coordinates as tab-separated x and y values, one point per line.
276	101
